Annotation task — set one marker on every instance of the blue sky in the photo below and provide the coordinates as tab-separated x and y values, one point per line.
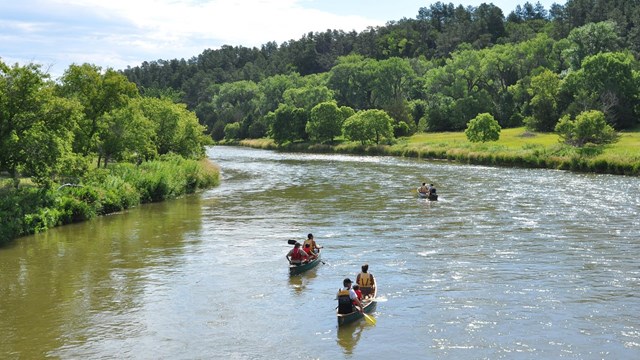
121	33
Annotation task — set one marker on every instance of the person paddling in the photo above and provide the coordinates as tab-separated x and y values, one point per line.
348	299
296	256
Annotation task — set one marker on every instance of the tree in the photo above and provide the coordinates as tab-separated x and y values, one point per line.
607	82
273	88
589	127
355	129
544	90
125	133
35	125
351	81
369	125
238	102
288	124
232	131
483	128
392	83
591	39
325	121
176	129
98	93
307	97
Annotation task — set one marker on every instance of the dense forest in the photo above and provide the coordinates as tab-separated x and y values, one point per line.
434	72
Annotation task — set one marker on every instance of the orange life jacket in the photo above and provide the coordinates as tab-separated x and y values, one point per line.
296	255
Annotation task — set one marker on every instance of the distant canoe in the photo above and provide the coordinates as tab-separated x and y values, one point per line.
431	197
299	269
369	307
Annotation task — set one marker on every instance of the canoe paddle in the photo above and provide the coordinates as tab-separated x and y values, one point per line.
369	319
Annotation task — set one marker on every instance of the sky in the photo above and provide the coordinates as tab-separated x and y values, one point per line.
121	33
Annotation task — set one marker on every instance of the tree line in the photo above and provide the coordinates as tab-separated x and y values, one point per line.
88	144
55	130
435	72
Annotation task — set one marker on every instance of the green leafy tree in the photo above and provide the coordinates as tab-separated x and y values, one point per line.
232	131
543	90
607	82
589	127
325	121
176	129
352	80
393	80
456	92
355	128
273	88
369	126
591	39
288	124
98	93
36	127
238	102
483	128
307	97
125	134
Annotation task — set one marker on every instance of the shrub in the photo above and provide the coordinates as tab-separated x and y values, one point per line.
483	128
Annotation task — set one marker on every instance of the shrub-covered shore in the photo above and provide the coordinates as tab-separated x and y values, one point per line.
516	147
29	209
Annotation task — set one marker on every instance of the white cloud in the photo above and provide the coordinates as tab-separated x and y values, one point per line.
117	33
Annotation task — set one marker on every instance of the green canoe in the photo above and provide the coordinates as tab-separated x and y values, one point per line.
299	269
369	307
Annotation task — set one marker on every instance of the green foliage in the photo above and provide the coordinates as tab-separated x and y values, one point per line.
590	127
175	129
606	82
288	124
98	93
351	80
35	125
591	39
29	210
483	128
307	97
126	133
543	90
232	131
369	126
325	121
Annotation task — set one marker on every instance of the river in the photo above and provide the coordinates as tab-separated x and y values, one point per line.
508	264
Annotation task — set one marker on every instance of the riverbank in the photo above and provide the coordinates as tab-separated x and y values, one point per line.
29	209
515	148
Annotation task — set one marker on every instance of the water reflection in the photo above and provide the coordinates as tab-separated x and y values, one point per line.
349	335
300	282
88	280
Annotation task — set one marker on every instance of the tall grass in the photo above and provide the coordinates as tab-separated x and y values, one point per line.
29	210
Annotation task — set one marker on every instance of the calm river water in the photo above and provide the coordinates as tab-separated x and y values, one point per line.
509	264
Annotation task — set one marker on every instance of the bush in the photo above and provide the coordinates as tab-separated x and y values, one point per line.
74	210
590	127
483	128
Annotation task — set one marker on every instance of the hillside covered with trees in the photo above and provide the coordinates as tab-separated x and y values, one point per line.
435	72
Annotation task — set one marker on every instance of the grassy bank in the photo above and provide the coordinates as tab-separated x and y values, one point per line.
29	209
516	147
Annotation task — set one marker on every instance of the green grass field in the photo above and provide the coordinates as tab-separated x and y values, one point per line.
516	147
